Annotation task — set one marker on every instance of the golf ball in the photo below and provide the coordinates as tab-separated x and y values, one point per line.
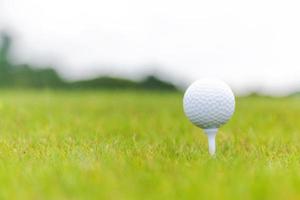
209	103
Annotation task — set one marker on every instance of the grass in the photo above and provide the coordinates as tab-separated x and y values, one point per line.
127	145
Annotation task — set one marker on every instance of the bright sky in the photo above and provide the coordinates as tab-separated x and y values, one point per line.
250	44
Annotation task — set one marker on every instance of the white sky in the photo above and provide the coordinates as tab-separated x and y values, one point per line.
249	44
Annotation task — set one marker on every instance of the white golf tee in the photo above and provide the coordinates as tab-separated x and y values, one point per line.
211	135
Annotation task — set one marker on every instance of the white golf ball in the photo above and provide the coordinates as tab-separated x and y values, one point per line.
209	103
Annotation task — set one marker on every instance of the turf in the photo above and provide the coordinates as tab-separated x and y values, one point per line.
138	145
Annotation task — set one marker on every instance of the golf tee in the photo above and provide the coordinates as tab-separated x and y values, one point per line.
211	135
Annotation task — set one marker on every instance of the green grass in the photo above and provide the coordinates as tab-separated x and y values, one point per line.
127	145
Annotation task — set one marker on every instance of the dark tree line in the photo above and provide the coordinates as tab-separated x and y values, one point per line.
26	76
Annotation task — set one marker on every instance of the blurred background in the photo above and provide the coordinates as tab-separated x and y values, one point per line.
71	44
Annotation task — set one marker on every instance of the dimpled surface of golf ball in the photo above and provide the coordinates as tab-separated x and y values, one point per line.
209	103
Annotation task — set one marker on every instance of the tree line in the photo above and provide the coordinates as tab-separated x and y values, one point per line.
27	76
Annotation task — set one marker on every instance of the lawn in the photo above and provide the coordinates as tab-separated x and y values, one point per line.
139	145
